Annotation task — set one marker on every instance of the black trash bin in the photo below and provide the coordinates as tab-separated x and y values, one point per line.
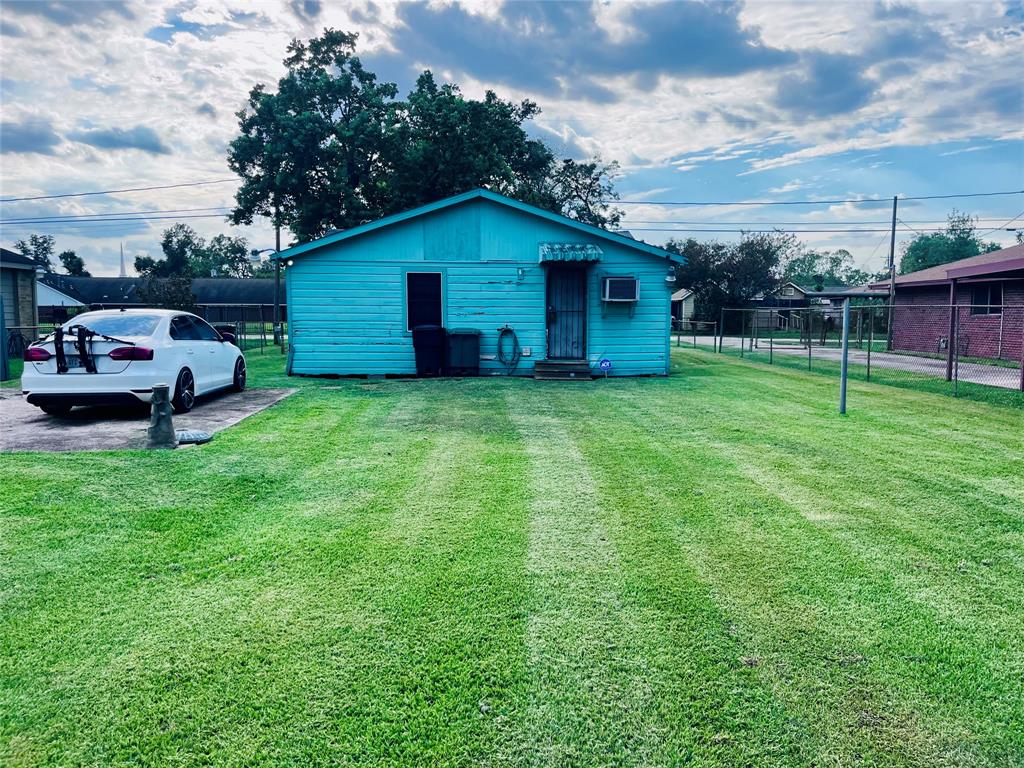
463	352
429	342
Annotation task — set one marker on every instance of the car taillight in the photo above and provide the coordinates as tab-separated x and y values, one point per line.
36	355
131	353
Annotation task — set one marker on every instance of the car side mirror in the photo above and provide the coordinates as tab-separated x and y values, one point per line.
227	337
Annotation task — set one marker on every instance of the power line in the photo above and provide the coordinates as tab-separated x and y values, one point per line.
859	201
117	191
791	223
774	229
1005	226
102	216
918	231
875	249
41	223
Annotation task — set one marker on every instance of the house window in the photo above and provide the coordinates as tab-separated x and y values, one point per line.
987	299
423	299
789	290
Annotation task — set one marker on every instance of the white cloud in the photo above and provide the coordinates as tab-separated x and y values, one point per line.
111	75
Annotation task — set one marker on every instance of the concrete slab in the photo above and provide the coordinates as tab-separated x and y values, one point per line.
24	427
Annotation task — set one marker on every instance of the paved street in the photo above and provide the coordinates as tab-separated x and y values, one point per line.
976	373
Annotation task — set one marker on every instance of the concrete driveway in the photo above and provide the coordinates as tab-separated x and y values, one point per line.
24	427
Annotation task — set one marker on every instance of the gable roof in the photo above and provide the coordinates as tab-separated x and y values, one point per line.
12	260
1004	260
479	194
682	294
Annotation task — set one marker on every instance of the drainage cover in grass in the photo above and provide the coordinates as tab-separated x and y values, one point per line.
197	436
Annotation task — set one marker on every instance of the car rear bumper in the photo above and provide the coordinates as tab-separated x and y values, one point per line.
89	389
87	398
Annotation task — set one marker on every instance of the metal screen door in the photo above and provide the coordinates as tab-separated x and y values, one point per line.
567	313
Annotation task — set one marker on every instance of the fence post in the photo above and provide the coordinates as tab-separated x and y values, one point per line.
846	353
952	329
956	366
810	337
743	330
871	338
721	332
1022	352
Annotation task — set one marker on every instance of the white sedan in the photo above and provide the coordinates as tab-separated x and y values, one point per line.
114	357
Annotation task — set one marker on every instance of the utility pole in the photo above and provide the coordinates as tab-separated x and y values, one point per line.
892	274
278	335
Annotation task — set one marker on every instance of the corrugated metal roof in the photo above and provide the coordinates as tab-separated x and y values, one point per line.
570	252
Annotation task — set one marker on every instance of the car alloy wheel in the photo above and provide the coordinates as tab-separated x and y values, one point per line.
239	382
184	392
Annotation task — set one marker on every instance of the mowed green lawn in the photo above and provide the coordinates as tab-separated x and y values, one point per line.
709	569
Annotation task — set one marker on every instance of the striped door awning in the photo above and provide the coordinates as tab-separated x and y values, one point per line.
569	252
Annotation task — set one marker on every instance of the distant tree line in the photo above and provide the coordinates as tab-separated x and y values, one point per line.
725	275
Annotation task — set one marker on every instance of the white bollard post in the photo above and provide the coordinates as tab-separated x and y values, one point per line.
846	353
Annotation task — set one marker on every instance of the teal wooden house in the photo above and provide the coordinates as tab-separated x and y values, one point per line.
548	294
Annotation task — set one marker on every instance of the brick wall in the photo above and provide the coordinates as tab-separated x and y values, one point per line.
26	288
921	321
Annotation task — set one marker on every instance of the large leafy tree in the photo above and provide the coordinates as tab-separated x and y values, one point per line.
724	275
310	154
181	246
959	241
39	248
821	268
579	190
332	148
223	256
442	144
73	264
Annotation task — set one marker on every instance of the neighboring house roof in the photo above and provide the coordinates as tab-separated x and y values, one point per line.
12	260
853	291
682	294
481	194
826	290
1005	260
124	290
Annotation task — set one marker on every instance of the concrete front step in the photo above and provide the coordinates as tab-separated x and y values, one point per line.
562	370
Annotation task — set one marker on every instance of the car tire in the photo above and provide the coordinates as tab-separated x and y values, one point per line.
238	381
184	392
56	410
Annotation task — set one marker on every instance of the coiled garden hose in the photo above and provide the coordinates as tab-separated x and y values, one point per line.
509	350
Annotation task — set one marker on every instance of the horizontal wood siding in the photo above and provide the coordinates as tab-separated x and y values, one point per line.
346	301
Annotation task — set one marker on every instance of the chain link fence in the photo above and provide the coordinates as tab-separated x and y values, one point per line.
936	347
251	324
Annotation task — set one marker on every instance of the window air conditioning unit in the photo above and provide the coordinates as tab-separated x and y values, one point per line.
620	289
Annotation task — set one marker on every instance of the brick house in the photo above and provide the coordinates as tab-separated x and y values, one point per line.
988	291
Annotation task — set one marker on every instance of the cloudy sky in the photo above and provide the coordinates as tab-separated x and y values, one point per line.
704	102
